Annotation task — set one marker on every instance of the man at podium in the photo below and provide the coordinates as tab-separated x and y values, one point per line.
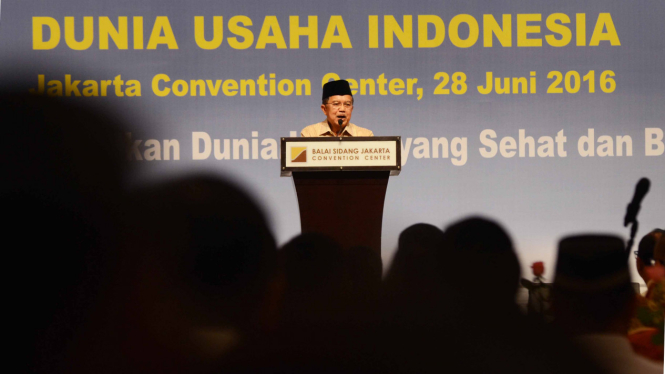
337	105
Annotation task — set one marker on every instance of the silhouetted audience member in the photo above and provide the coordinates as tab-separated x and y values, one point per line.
316	284
488	250
421	309
646	332
416	248
364	270
63	173
320	328
416	277
593	300
645	251
204	255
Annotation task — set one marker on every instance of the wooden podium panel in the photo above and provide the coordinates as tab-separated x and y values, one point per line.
347	206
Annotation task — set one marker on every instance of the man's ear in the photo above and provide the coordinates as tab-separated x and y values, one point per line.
323	109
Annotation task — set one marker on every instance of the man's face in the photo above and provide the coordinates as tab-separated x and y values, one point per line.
338	107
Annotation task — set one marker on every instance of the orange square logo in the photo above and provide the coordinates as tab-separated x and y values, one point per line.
298	154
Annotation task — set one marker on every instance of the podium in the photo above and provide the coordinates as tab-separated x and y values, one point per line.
341	184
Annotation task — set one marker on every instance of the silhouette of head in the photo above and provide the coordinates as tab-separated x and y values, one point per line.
645	252
592	290
213	241
316	287
415	259
486	258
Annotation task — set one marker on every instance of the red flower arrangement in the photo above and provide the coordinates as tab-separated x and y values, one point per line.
538	269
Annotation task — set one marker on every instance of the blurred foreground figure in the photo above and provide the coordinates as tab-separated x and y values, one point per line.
593	301
167	281
63	169
645	253
646	327
203	256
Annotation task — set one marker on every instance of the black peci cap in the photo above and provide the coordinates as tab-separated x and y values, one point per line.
334	88
591	263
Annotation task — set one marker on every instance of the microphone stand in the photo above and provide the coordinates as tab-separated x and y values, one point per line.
631	240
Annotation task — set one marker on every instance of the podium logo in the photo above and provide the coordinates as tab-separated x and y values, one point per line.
298	154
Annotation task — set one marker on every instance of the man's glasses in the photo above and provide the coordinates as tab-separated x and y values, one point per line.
337	104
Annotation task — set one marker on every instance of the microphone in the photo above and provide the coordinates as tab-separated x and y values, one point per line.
633	208
340	122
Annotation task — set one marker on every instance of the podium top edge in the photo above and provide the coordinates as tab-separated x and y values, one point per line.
344	139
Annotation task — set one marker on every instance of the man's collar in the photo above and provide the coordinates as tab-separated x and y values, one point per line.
351	129
324	128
